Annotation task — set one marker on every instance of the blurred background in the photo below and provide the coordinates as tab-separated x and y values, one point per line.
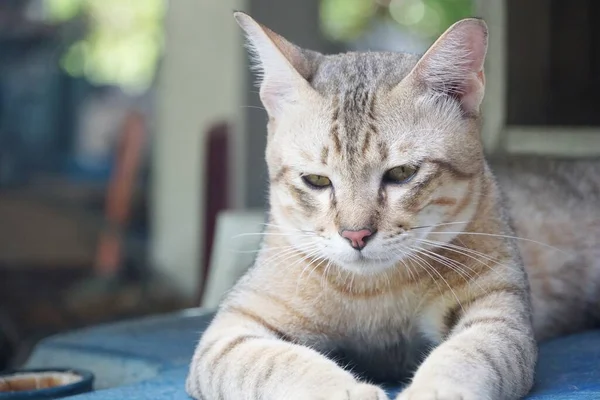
128	126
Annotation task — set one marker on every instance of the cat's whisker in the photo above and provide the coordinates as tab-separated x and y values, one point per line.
339	273
465	252
303	256
254	107
410	257
454	266
402	258
352	281
280	257
461	250
449	262
298	247
313	261
505	237
299	280
245	251
440	276
279	226
271	234
385	272
283	259
319	260
408	268
307	257
436	225
259	250
304	268
287	228
325	271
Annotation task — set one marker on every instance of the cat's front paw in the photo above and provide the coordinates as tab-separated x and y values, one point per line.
361	391
438	390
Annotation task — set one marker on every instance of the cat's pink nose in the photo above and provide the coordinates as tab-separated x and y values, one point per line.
357	239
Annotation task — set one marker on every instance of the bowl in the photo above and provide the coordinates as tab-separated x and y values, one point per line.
54	383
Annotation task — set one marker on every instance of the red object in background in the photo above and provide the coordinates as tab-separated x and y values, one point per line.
216	188
122	183
119	194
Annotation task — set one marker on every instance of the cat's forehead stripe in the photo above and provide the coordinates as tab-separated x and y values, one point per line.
324	155
354	123
335	135
366	141
383	151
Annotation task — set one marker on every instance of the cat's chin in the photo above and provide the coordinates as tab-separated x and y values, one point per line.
362	265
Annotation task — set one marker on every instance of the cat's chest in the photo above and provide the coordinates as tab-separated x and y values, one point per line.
380	338
377	322
380	362
376	335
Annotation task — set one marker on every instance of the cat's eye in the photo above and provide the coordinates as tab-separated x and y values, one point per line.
401	174
316	181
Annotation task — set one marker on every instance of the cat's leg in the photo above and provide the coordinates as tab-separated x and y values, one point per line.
241	358
489	353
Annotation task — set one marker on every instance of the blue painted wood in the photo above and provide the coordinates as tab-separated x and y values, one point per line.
148	359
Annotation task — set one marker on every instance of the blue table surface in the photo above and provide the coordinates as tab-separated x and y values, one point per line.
148	359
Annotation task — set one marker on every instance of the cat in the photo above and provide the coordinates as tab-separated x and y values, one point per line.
388	250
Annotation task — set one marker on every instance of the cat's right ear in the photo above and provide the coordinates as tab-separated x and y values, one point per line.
453	65
283	67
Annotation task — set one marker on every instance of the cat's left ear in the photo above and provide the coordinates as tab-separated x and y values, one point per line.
284	68
453	65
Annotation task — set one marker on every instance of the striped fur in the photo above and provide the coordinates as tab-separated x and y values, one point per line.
440	295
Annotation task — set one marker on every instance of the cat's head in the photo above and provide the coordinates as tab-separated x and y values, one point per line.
370	155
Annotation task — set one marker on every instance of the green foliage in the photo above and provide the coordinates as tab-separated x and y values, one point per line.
122	45
344	20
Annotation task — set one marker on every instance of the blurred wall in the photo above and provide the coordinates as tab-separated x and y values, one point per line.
200	84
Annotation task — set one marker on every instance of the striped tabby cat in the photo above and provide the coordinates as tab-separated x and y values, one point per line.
388	250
